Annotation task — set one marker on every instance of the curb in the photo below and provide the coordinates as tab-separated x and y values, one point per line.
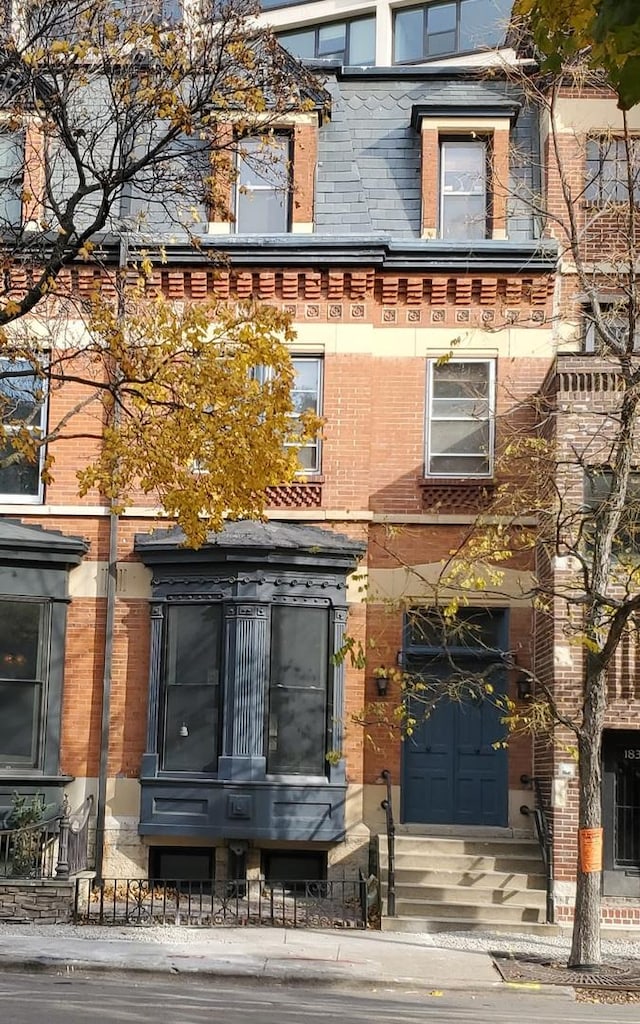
255	974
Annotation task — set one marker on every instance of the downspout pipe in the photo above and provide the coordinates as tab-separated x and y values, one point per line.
110	614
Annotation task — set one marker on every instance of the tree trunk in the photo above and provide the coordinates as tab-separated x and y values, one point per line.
585	948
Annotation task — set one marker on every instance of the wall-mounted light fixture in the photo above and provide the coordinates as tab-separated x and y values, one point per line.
524	689
381	677
184	730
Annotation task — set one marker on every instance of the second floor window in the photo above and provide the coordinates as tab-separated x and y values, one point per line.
459	26
460	418
11	179
611	164
23	411
306	396
263	185
463	188
597	493
353	42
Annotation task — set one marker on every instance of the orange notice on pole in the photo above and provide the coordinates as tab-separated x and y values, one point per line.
590	846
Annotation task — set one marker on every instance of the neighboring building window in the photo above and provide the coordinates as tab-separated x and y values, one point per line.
608	169
263	185
439	29
460	418
23	411
616	321
463	188
11	179
298	705
353	42
306	396
24	643
192	688
597	490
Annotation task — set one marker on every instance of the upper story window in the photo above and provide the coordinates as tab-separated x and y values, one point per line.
463	188
440	29
11	178
306	396
597	493
353	42
263	185
23	411
460	418
611	164
615	320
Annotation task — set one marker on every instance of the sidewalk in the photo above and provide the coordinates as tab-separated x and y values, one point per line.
354	960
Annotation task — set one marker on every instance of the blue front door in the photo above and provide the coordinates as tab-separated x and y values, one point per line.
452	773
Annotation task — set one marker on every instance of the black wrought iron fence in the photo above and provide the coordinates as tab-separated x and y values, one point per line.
299	904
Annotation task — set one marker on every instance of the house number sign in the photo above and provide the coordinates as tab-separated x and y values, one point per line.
632	754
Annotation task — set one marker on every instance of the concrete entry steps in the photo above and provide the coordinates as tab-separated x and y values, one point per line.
465	883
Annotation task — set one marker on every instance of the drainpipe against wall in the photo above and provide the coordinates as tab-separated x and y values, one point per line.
110	612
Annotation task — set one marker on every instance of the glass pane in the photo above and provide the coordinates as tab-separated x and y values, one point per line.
308	458
441	18
301	44
20	392
191	728
483	23
21	627
362	42
20	477
461	380
307	374
262	212
459	437
464	217
193	644
332	39
408	35
297	732
441	42
264	163
464	168
472	627
298	690
457	465
19	714
468	409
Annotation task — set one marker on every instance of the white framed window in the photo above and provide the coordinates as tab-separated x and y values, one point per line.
306	396
460	428
23	410
464	188
262	200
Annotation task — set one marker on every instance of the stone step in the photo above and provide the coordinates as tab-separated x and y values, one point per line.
470	924
489	915
467	879
438	845
433	894
464	863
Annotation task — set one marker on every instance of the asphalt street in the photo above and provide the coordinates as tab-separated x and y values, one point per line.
33	999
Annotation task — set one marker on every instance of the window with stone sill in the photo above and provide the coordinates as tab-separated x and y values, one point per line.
611	164
460	428
464	188
23	409
442	29
262	189
306	396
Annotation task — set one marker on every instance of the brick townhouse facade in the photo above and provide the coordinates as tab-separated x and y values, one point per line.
408	255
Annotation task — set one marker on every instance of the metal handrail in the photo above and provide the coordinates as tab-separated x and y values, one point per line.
544	836
387	807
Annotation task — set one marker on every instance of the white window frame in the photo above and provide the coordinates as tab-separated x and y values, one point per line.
432	367
264	373
38	425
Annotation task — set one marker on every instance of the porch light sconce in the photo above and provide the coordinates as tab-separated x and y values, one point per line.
524	689
381	677
184	730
